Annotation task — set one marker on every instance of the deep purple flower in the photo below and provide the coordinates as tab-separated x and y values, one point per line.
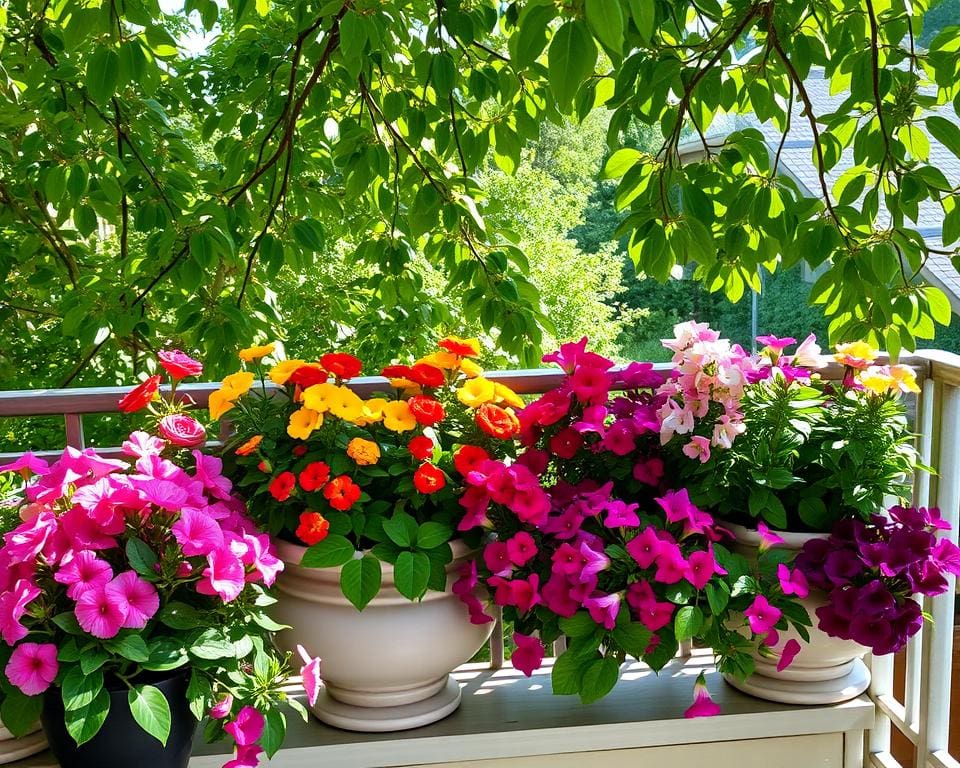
875	600
842	566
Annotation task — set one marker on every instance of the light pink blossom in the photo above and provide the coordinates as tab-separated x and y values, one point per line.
99	614
310	672
81	571
136	597
13	607
222	708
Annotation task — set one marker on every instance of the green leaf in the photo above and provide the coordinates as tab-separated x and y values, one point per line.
599	678
578	625
946	132
93	659
103	74
531	38
939	304
274	730
402	529
130	647
79	688
142	559
605	18
444	74
177	615
570	60
718	596
567	674
83	724
688	621
333	551
151	710
633	637
19	713
211	645
199	694
360	580
620	162
309	233
411	574
166	653
644	15
432	534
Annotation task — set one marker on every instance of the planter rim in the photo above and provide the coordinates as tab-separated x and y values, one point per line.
292	554
751	537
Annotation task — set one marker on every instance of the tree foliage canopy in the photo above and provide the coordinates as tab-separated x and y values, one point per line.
151	193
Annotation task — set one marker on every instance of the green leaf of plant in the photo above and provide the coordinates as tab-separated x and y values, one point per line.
605	18
360	580
633	637
103	73
567	674
411	574
142	558
578	625
211	645
570	60
688	621
531	38
151	710
274	730
18	712
84	724
599	678
432	534
79	688
177	615
402	529
67	621
199	693
93	659
130	647
166	653
333	551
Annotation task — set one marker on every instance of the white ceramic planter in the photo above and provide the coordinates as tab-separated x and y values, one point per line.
826	670
13	748
386	668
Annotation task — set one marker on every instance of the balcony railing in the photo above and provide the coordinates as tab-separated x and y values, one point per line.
922	716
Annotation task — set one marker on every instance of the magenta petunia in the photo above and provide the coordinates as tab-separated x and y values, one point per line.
137	598
762	616
521	548
222	708
81	571
603	609
248	756
703	705
223	576
247	727
99	614
792	582
310	673
768	539
33	667
528	655
645	547
701	566
13	607
496	557
197	532
790	650
27	463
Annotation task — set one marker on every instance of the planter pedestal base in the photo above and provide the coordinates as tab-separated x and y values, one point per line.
786	691
13	749
381	719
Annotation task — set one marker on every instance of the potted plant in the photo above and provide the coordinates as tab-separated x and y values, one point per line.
808	460
360	494
592	539
133	602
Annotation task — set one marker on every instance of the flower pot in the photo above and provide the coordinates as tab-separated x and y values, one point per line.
827	670
386	668
14	748
121	742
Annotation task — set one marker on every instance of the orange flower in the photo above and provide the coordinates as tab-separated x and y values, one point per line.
428	478
250	354
250	446
282	371
497	422
313	528
303	422
459	346
219	403
364	452
341	365
341	493
855	354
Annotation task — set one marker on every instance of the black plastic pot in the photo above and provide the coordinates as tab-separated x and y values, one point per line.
121	742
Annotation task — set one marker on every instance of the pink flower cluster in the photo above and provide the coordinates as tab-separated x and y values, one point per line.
708	382
80	515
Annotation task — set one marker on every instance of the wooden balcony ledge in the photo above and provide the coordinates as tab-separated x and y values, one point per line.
507	720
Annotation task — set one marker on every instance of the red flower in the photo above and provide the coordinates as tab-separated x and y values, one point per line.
313	528
341	492
426	410
421	448
468	458
308	375
566	443
397	372
299	450
140	396
426	375
341	365
457	346
178	364
428	479
263	467
282	485
496	421
314	476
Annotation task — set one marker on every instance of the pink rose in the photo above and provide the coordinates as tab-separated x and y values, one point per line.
182	430
178	364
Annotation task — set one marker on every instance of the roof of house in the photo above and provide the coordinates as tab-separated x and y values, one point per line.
797	160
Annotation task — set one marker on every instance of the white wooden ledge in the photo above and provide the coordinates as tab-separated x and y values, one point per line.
508	719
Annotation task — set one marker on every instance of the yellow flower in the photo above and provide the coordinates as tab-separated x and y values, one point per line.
445	360
905	378
476	392
347	405
397	416
303	422
856	354
237	384
506	396
250	354
372	411
320	397
470	369
283	371
877	380
364	452
219	403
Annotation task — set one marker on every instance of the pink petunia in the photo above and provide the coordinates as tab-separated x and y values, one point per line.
649	471
209	471
13	607
99	614
703	705
310	672
223	576
222	708
653	614
768	539
137	597
33	667
528	655
788	654
27	464
496	557
521	593
701	566
197	532
621	515
81	571
671	567
793	583
698	448
248	756
678	508
141	444
645	547
247	727
762	616
521	548
603	609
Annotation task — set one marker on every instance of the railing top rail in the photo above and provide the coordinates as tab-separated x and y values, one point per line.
56	402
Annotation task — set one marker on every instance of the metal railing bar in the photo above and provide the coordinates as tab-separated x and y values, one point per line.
73	426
